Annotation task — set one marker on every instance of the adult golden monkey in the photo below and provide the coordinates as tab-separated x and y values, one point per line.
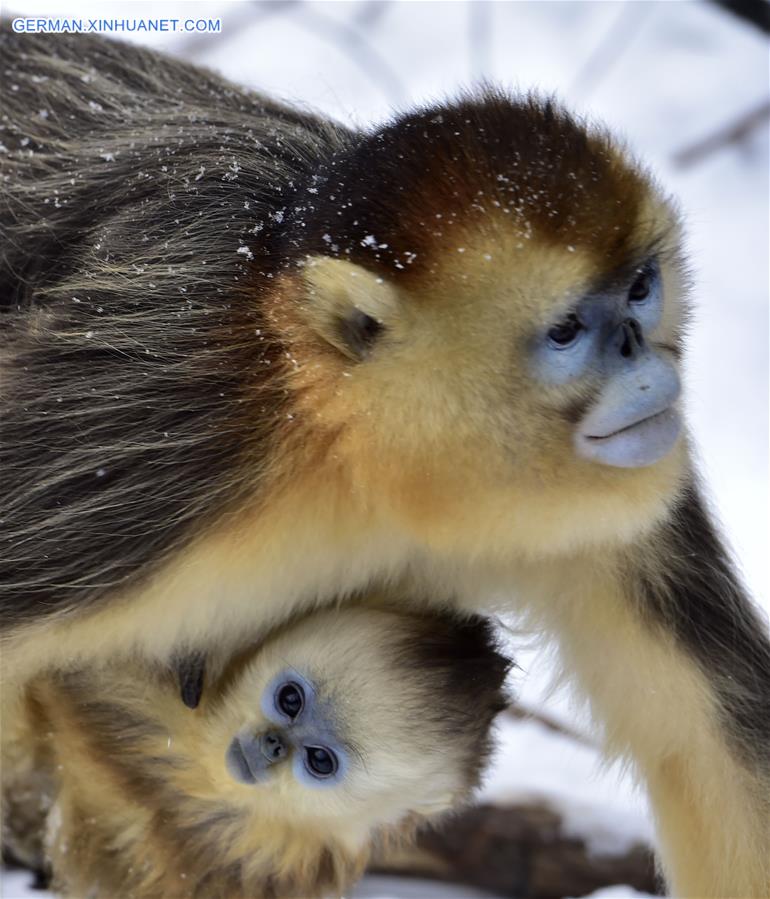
253	361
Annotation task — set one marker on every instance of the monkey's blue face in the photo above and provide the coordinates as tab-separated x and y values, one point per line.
633	421
302	734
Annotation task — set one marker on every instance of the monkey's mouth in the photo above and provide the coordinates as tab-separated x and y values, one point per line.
635	445
237	762
627	428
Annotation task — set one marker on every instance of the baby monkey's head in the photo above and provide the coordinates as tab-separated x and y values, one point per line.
360	717
338	732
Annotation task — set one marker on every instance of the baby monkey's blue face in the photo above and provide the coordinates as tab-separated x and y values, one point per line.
358	716
301	733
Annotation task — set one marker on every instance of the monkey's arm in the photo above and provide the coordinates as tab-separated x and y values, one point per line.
676	663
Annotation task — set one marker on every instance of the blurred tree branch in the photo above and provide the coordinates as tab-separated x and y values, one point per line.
613	44
348	37
353	43
242	16
479	37
523	713
755	12
371	12
730	135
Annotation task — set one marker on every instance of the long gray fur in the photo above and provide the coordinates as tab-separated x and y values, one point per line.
134	191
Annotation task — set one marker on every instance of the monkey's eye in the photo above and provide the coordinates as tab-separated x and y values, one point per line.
290	699
641	287
565	333
321	762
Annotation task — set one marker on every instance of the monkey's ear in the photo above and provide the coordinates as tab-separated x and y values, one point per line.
348	306
190	672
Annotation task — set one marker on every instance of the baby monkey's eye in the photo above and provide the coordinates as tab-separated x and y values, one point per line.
290	699
565	333
320	762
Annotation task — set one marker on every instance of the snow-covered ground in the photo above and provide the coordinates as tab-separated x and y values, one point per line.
664	75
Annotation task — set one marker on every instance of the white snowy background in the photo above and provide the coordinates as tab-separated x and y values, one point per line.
665	75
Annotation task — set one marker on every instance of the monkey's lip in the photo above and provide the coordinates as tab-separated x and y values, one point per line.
642	421
635	445
237	762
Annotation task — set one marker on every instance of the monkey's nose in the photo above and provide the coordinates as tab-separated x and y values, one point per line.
630	338
273	746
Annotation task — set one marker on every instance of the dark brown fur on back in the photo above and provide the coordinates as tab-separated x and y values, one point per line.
137	372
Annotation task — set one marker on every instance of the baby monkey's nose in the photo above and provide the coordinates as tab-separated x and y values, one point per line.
273	746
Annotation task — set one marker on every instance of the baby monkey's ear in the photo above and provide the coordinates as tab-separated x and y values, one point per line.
348	306
190	670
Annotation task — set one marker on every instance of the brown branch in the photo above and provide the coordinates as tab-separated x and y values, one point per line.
733	134
522	851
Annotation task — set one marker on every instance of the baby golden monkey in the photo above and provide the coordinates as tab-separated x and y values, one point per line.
343	730
253	361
